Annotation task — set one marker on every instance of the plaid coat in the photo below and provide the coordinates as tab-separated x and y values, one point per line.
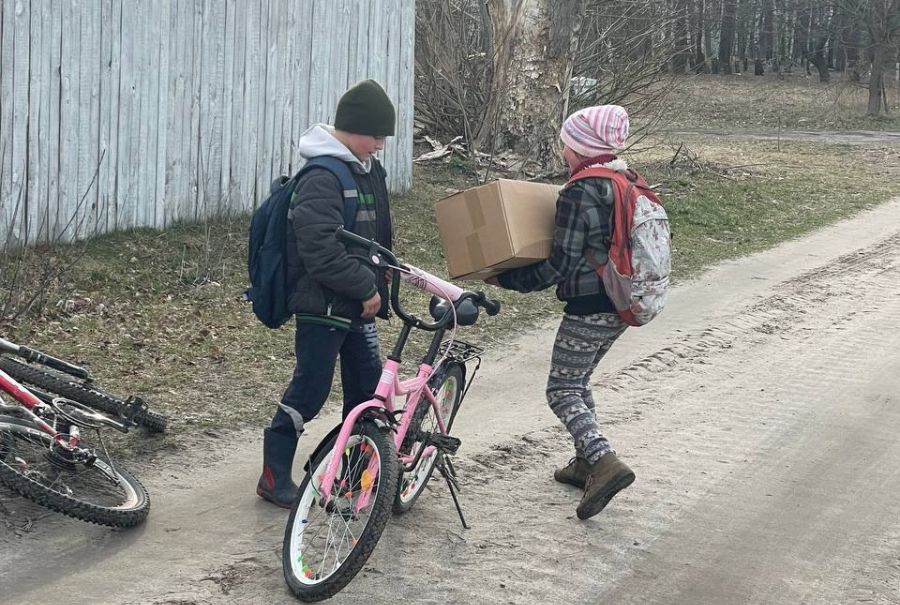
583	222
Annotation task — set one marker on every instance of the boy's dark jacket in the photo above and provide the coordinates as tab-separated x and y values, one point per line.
325	284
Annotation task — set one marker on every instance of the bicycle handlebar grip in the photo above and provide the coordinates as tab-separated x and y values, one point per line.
491	306
52	362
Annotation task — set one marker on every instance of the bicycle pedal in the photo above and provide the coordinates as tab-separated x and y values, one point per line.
445	443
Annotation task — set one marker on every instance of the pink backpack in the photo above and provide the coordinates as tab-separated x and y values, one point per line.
636	275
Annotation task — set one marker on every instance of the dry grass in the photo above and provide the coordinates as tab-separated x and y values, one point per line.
794	102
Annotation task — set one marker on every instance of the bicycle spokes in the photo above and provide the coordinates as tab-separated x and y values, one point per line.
328	529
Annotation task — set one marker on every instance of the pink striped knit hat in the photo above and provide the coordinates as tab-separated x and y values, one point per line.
593	131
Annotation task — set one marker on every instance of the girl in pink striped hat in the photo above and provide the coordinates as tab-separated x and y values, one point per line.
595	131
590	324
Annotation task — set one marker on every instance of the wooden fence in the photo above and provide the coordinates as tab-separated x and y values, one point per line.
128	113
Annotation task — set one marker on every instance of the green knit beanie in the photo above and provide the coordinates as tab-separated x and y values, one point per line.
366	109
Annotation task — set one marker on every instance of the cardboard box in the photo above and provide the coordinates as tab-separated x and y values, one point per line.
501	225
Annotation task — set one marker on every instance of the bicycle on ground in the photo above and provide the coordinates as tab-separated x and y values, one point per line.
380	458
47	457
76	383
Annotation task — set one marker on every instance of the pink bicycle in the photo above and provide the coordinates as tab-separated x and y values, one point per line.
380	458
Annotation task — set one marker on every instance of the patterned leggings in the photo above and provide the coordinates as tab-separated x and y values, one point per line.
581	342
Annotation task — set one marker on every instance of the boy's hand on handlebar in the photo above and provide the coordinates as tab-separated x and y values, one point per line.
371	306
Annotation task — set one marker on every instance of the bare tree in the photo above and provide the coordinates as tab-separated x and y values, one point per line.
882	20
505	73
800	44
820	35
454	66
766	43
879	21
700	56
534	43
681	43
726	35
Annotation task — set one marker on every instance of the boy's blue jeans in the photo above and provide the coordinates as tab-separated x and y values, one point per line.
317	349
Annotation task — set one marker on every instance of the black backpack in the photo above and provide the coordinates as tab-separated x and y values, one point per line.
267	262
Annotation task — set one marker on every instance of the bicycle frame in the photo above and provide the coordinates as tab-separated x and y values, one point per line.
29	402
390	386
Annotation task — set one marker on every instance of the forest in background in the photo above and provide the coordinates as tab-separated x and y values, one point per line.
502	74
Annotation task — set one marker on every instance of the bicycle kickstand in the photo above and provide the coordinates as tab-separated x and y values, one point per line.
449	473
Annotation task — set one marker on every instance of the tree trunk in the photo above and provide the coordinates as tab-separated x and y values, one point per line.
743	27
785	32
820	60
883	24
699	56
842	31
882	18
820	33
706	24
534	44
726	37
767	32
876	82
680	35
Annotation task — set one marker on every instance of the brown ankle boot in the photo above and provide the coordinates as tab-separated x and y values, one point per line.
575	473
606	477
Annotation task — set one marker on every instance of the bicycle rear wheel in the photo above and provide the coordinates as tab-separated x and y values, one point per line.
88	395
326	546
87	487
447	385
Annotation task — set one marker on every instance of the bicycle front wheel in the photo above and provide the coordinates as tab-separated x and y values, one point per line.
447	386
325	546
90	488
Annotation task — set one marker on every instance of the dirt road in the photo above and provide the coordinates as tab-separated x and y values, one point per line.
760	413
834	137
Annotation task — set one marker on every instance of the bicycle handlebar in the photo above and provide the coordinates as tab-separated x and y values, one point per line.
376	250
379	256
43	358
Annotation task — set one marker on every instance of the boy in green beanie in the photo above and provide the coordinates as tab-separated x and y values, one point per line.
335	297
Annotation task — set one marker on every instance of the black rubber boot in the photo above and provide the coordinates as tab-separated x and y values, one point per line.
275	483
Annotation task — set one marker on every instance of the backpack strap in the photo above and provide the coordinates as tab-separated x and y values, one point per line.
341	170
624	184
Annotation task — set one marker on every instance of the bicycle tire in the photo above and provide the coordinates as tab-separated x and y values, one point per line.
27	465
411	484
88	395
298	562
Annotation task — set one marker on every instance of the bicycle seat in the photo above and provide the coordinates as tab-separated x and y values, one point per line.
466	311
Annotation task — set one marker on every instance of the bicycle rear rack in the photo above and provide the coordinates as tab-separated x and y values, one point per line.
460	350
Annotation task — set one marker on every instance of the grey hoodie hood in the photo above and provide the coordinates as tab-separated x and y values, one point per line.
320	140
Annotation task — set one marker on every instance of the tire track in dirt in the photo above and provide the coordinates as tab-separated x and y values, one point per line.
777	313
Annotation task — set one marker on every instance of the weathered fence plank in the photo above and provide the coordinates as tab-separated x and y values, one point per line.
117	114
